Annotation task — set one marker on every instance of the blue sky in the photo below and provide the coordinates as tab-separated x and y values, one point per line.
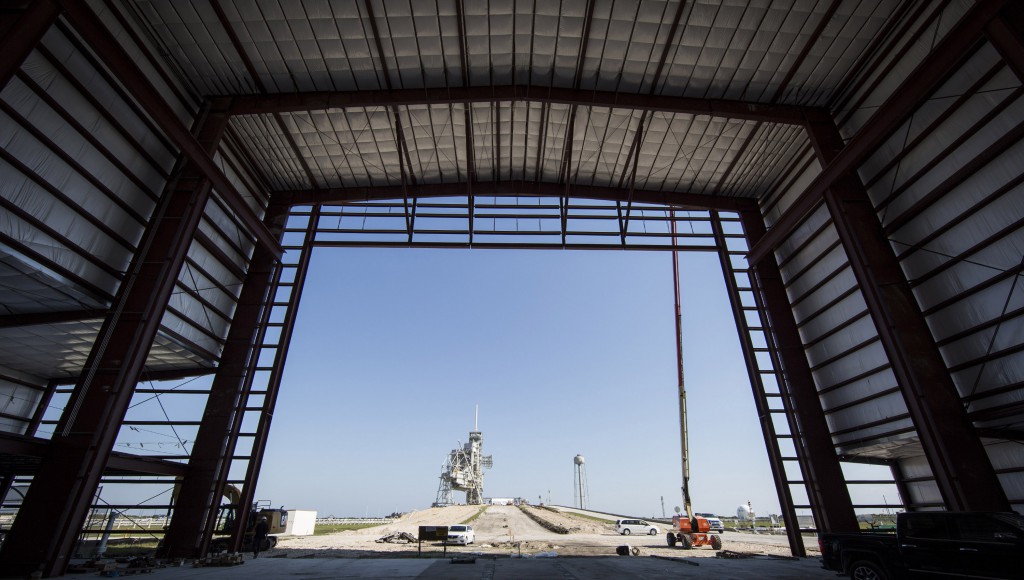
565	352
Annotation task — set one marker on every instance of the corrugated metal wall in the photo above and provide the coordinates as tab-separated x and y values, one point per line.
81	168
946	187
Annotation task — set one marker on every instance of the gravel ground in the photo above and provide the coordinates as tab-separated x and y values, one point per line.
506	530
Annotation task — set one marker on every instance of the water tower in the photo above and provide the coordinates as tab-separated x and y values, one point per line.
579	485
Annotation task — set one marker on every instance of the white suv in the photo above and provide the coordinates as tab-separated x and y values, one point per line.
461	535
627	527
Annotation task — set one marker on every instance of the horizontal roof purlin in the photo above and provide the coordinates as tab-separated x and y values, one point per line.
315	101
675	200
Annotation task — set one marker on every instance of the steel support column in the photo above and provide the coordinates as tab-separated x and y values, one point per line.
195	509
37	415
6	483
21	29
764	411
44	533
901	485
826	486
114	56
956	47
1006	33
259	444
962	470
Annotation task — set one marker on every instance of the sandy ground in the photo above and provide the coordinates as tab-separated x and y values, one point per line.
505	530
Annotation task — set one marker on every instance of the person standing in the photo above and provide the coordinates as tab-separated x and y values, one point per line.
259	535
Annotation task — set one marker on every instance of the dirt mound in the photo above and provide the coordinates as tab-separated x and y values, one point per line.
569	521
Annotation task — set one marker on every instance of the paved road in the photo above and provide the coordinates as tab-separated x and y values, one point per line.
810	542
501	523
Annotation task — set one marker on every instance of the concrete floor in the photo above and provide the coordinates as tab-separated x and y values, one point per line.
559	568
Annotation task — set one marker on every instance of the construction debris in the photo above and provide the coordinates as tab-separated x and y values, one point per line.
222	559
398	538
140	565
729	554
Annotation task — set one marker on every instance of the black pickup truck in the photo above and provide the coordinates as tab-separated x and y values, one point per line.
931	545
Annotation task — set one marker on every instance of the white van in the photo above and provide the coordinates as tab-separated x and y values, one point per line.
627	527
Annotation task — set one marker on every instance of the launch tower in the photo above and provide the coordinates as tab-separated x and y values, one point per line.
463	470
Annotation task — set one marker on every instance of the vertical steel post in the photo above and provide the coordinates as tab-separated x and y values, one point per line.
962	470
6	483
1006	33
901	485
823	475
195	509
40	412
20	34
274	382
44	533
764	411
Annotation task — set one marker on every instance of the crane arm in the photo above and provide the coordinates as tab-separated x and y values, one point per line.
683	431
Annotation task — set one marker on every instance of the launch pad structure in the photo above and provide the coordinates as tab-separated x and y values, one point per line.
463	470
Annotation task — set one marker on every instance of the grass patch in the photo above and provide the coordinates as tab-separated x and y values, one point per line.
474	516
324	529
126	549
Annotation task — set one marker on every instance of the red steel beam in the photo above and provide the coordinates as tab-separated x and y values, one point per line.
764	410
195	510
262	433
678	200
122	65
21	28
317	101
825	483
1006	33
36	448
46	529
957	45
124	462
963	472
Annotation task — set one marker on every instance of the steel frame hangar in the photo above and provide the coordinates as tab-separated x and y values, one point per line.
167	169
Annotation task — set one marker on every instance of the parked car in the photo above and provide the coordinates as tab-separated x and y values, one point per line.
463	535
715	525
627	527
926	544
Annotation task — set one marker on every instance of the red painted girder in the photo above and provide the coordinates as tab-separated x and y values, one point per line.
926	78
962	470
318	101
37	448
1006	33
44	534
677	200
20	34
825	484
122	65
199	497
